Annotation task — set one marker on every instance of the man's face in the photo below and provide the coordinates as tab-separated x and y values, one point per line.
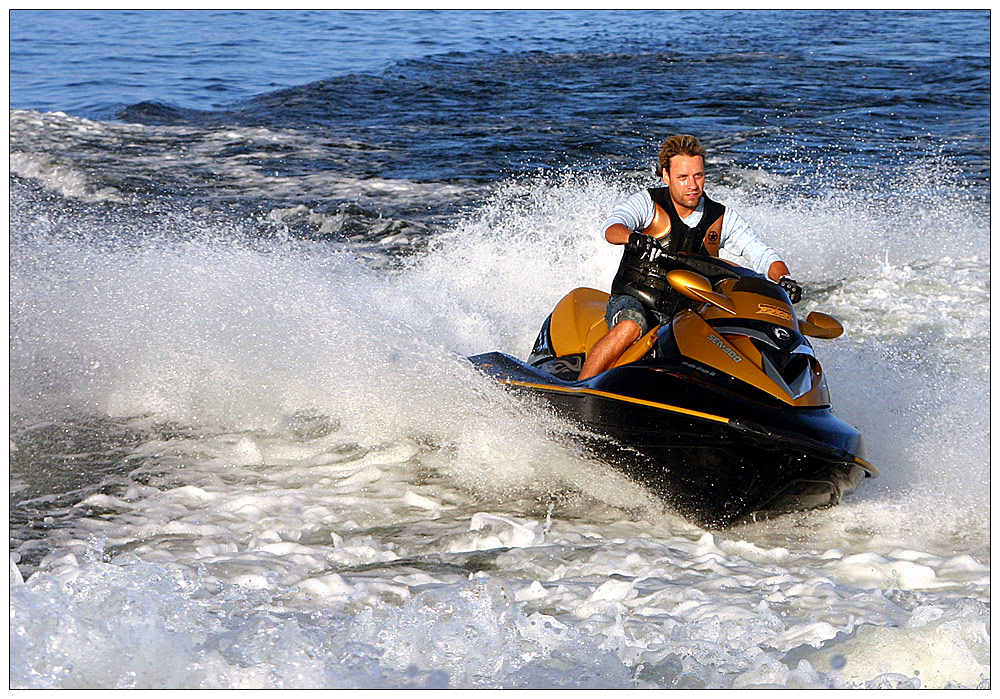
686	181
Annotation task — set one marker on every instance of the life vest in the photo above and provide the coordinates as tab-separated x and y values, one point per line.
646	280
702	238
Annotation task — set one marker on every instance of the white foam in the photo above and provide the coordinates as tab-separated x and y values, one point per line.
938	653
346	503
61	177
66	154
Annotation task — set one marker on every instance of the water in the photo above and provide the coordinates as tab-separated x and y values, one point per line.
250	249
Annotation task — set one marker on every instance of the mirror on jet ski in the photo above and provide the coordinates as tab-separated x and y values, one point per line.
821	325
698	288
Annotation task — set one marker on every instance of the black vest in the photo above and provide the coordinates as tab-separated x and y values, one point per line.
647	281
684	238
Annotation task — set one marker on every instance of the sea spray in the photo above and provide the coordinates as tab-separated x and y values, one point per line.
204	331
246	450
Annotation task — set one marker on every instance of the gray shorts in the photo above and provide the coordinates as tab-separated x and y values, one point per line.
624	307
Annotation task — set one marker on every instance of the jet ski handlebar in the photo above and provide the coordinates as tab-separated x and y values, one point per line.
647	247
651	249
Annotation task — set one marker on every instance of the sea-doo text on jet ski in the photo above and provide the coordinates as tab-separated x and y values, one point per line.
723	410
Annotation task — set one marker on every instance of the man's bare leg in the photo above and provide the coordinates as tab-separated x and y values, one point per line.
609	348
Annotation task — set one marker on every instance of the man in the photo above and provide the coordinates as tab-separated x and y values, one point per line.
687	220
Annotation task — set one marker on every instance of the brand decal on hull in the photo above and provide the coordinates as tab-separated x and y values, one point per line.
717	341
773	311
699	368
565	364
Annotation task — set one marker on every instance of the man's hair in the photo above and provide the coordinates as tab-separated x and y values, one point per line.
680	144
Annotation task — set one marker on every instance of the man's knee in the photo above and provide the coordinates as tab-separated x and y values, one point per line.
628	330
624	309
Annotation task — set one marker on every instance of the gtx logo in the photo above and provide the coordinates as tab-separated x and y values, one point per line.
773	311
717	341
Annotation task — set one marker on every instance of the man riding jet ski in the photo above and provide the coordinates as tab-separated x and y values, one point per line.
721	406
684	217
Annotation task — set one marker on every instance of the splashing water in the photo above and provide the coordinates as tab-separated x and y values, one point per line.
247	451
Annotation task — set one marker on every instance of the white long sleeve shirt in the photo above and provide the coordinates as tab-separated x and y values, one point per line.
737	237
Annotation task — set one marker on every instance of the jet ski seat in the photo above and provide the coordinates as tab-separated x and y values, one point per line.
578	323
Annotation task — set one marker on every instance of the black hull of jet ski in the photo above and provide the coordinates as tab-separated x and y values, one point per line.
719	457
722	409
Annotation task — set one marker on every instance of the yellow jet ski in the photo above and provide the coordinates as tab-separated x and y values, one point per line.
723	409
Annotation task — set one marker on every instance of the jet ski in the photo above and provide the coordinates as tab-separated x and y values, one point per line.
722	409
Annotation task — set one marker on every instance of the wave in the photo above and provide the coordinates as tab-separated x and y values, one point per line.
223	334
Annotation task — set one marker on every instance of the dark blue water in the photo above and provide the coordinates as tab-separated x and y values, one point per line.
480	95
248	250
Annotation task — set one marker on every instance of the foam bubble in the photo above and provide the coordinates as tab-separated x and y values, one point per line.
62	178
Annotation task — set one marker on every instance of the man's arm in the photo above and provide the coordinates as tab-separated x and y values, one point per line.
777	270
740	239
633	214
617	233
